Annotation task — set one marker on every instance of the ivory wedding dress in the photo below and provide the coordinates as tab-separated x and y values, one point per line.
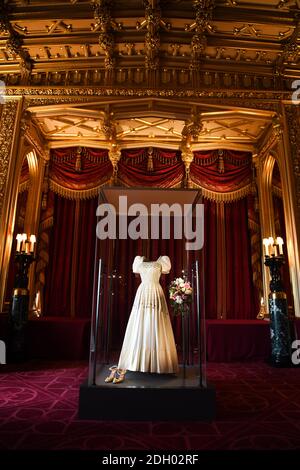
149	344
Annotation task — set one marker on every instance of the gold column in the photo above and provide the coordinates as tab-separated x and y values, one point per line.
288	151
264	164
33	211
11	158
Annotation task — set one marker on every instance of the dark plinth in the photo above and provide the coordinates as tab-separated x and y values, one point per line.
144	396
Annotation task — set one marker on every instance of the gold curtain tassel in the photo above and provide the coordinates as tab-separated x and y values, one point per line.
221	168
150	159
78	163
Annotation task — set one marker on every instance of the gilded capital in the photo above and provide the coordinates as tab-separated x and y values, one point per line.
25	123
187	156
277	125
114	154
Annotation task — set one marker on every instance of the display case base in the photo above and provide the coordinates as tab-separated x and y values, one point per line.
144	396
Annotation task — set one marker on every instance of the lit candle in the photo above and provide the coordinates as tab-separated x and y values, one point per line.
279	242
261	301
275	250
27	243
32	242
266	245
19	241
271	243
24	238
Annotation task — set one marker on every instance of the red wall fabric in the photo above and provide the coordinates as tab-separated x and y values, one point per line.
63	248
69	292
241	297
210	259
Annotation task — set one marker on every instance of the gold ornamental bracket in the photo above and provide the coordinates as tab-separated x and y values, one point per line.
153	19
187	157
271	138
114	154
32	135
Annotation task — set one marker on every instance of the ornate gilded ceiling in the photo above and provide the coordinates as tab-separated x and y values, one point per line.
151	122
144	45
207	43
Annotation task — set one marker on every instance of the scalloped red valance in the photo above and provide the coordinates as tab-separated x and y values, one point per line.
79	173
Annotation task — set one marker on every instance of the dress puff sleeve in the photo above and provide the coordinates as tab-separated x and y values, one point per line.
137	263
165	264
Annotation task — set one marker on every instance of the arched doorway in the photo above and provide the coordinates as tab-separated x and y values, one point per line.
24	210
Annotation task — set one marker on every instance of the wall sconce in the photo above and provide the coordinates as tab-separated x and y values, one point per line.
20	302
25	244
273	247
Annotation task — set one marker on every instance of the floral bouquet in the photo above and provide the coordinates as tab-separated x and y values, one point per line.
180	294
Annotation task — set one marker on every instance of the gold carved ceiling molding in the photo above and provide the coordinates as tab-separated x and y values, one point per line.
14	43
240	44
100	113
89	93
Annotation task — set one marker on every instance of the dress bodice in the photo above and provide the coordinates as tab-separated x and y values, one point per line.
150	271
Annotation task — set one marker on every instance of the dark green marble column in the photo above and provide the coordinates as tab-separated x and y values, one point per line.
278	310
19	310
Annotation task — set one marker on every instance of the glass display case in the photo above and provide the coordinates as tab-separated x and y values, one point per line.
147	395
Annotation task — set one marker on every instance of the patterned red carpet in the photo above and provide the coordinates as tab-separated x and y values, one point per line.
258	408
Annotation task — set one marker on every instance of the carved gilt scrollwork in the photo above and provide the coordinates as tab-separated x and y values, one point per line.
293	120
7	126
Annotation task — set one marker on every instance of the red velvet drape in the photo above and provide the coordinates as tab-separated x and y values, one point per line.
241	296
210	258
69	277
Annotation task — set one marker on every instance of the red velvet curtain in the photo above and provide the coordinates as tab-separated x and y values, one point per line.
69	276
241	296
210	258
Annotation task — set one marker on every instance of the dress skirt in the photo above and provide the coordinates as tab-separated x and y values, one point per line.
149	344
